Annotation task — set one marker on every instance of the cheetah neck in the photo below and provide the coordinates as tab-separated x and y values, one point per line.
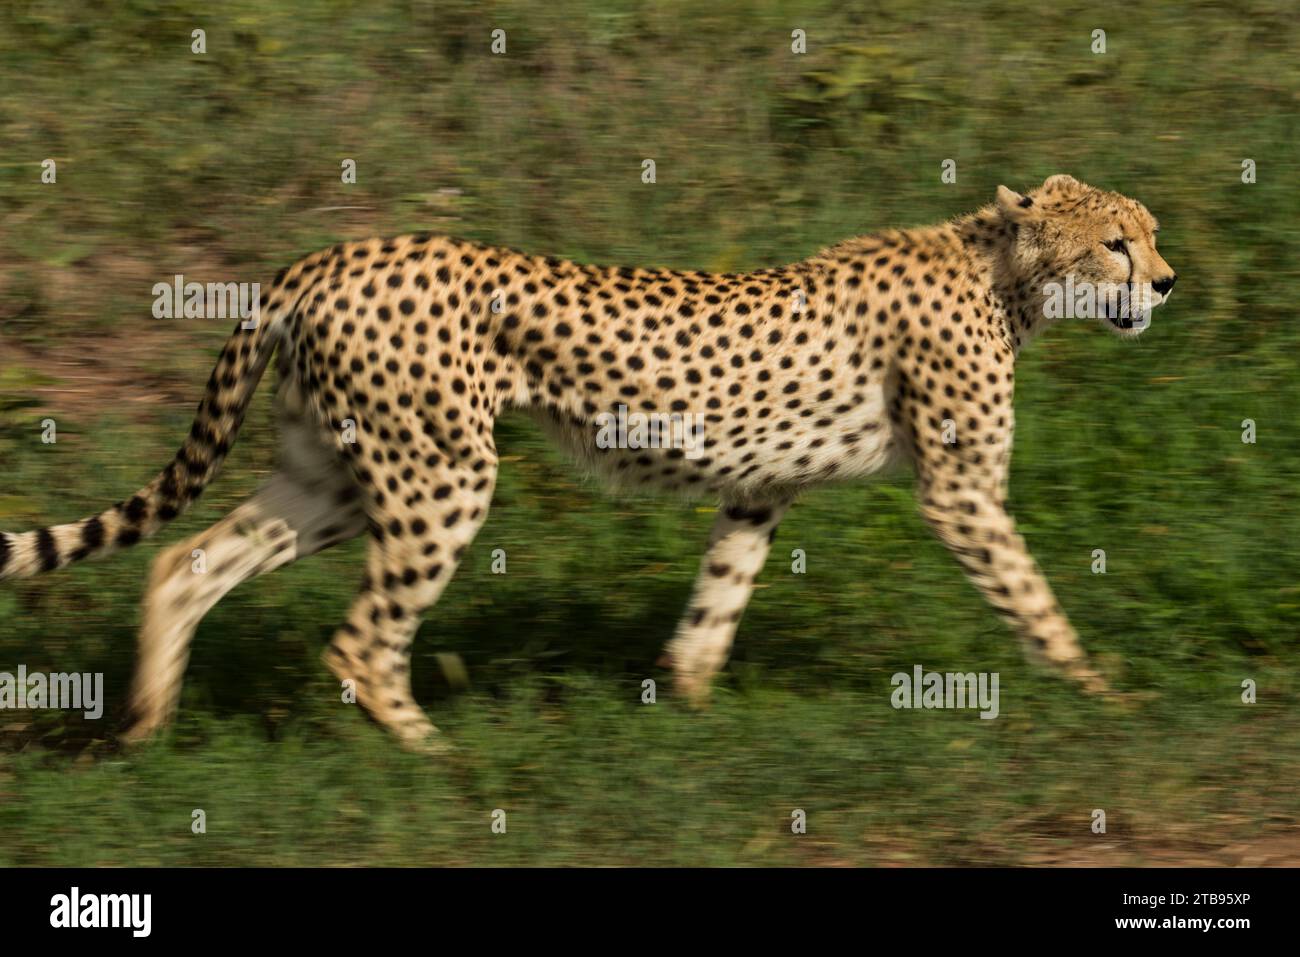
1016	315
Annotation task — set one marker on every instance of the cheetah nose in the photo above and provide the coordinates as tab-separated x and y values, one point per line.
1163	286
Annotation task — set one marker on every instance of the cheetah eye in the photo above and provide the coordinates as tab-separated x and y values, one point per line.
1115	245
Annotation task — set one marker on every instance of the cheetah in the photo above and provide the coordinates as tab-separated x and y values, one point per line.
396	357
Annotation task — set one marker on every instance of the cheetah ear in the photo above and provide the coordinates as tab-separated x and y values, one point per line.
1061	182
1015	207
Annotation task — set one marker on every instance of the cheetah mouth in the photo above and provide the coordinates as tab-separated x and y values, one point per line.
1123	319
1127	327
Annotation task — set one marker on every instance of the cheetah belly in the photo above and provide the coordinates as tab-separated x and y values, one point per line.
759	456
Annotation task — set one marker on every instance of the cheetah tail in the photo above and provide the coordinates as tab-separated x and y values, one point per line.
216	424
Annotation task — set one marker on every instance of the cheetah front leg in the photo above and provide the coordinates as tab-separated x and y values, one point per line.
974	524
738	547
961	483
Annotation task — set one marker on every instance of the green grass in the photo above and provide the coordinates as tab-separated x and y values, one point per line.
227	167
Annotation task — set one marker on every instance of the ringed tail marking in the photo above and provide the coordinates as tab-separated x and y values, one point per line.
216	424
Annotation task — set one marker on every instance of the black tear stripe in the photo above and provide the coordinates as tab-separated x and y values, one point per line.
48	550
4	551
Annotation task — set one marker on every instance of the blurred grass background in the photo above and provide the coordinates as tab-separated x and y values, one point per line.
226	166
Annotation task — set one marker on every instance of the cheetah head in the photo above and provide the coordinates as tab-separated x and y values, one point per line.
1087	253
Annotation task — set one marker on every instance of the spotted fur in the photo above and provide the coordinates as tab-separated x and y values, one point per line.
894	347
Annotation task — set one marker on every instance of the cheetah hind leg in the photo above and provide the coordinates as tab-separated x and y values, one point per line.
413	554
289	518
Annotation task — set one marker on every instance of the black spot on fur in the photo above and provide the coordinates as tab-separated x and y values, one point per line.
135	509
756	516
